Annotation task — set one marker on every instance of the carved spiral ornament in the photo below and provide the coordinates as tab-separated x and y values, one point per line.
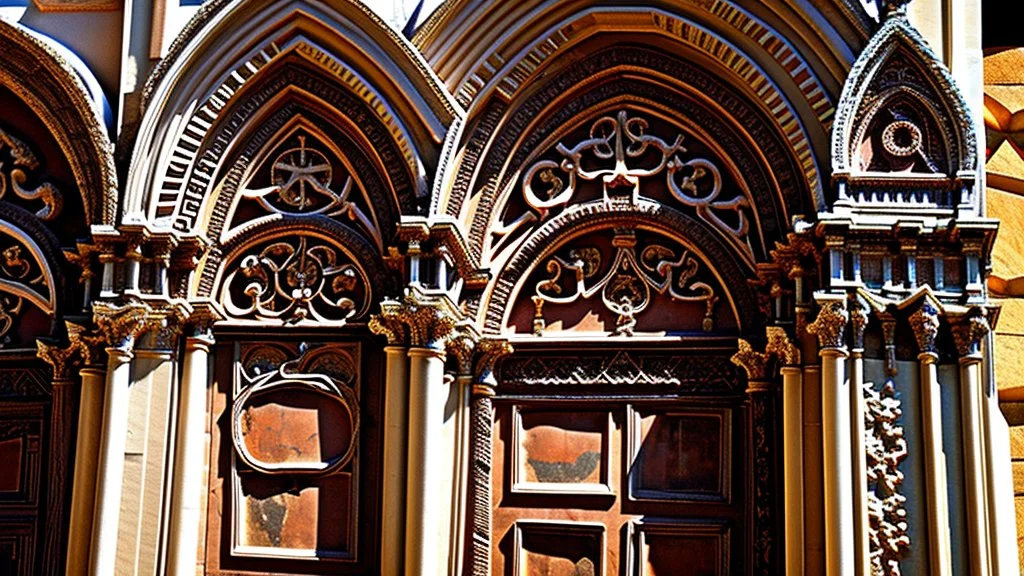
22	160
293	280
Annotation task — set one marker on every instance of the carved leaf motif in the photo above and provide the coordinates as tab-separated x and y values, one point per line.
886	448
16	177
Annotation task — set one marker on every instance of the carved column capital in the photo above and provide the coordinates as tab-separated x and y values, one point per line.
889	334
754	363
82	350
489	352
968	334
830	324
462	344
429	322
925	324
162	327
119	326
780	346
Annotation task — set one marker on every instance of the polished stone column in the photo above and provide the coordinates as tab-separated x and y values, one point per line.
861	548
968	335
925	323
829	327
87	443
788	356
396	414
190	453
120	327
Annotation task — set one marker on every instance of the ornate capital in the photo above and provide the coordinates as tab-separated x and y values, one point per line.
463	345
925	324
119	326
81	350
753	362
889	333
830	324
162	328
490	352
430	322
781	346
968	334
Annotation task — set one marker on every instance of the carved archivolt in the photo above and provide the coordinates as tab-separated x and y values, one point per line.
620	152
296	278
25	280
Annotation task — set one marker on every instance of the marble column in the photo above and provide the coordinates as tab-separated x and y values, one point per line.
788	356
190	452
830	327
396	414
925	323
858	324
120	326
968	334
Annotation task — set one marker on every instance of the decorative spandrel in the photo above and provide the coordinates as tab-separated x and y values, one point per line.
620	282
627	157
303	175
293	279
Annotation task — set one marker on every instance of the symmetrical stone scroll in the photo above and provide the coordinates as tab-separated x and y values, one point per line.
13	177
619	152
294	279
628	284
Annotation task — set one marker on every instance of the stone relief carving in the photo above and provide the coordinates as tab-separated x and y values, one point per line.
618	152
830	324
295	279
886	448
925	324
305	177
969	333
22	160
626	287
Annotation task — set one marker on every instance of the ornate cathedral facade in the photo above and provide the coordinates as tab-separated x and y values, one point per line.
686	287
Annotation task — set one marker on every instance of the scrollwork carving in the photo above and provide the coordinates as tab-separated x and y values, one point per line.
754	363
618	152
23	159
293	280
627	284
886	448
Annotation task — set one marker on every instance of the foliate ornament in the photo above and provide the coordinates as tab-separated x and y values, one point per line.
329	373
830	324
626	286
120	325
925	324
886	448
618	152
23	159
430	322
490	351
781	346
390	326
462	345
81	350
969	333
293	280
753	362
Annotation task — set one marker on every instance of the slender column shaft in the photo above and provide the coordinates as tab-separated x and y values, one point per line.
189	457
974	466
862	552
935	467
62	404
83	492
835	423
425	528
110	473
793	467
394	454
464	384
